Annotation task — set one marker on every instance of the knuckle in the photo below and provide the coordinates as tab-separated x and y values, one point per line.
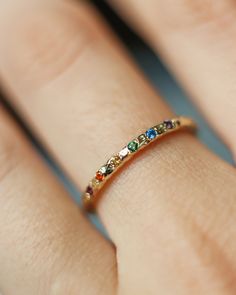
204	13
49	39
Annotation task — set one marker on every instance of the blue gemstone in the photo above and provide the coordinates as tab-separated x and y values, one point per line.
151	133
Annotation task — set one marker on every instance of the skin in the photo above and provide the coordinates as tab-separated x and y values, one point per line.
171	212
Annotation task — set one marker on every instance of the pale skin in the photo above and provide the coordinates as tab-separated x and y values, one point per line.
171	212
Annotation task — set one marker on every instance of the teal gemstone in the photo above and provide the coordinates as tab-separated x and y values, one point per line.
109	169
133	146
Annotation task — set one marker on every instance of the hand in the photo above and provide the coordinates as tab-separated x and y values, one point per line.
171	213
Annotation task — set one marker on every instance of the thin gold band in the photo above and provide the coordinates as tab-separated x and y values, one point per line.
90	195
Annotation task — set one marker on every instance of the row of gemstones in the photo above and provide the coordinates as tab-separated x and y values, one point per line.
132	147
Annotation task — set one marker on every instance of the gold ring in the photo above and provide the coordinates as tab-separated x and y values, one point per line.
90	195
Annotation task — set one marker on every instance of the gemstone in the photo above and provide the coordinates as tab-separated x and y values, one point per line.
133	146
142	139
169	124
89	190
160	128
110	169
95	184
103	169
124	153
151	133
115	161
99	176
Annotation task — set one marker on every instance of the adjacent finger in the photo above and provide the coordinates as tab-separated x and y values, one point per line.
86	100
46	245
196	38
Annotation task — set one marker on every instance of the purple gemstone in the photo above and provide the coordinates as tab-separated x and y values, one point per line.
89	190
169	124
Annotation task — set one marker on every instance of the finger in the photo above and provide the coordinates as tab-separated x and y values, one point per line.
46	245
86	101
196	38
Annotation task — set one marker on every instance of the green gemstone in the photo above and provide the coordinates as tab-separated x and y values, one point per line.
133	146
109	169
